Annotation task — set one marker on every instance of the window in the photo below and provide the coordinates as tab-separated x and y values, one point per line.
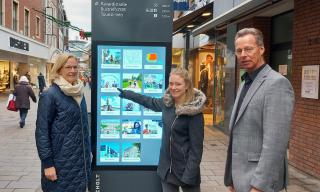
26	22
15	16
38	26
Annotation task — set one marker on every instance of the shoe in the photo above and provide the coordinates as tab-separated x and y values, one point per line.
21	124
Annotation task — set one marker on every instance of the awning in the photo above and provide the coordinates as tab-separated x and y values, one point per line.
194	18
239	11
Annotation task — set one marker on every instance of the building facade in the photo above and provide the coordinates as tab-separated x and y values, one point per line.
291	31
24	44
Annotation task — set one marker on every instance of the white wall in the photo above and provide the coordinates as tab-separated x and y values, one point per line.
36	49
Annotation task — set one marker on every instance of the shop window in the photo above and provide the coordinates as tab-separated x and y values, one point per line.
281	44
4	76
218	98
15	16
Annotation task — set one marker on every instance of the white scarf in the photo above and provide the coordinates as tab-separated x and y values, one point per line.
75	91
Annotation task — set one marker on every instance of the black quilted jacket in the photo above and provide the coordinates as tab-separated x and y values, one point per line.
62	138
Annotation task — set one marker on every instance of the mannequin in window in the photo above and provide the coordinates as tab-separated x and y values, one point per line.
203	79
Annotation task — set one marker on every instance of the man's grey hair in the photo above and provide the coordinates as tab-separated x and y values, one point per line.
253	31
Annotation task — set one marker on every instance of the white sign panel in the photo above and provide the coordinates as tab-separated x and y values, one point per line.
310	82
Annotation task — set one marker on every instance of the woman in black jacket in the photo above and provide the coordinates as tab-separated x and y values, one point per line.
62	134
183	131
23	91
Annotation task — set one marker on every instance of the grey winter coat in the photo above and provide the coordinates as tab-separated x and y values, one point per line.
182	136
22	92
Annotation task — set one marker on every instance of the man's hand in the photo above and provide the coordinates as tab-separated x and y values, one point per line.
253	189
50	173
121	95
231	189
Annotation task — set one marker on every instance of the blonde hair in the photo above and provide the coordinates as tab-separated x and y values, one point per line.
184	74
60	62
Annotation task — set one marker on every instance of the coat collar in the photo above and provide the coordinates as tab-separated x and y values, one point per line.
192	108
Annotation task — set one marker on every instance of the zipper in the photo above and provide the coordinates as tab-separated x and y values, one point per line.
84	151
170	139
184	155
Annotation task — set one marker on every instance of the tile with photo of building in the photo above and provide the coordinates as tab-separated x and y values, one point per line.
110	58
153	83
131	152
152	129
110	129
110	105
130	108
110	82
109	152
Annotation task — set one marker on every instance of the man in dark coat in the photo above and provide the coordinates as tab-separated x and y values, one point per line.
22	92
42	82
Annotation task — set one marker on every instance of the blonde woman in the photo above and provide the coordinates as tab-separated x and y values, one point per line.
183	131
62	134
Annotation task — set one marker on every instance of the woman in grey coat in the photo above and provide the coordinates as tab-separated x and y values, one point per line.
22	92
183	131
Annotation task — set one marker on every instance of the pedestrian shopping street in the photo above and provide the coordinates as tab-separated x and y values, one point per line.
20	166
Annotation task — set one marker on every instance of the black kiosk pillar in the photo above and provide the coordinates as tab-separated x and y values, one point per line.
131	50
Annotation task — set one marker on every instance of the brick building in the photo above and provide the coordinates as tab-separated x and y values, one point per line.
25	44
291	31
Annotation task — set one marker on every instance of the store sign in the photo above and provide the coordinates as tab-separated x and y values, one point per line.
181	5
310	82
19	44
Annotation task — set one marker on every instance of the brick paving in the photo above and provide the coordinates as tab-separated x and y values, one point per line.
20	166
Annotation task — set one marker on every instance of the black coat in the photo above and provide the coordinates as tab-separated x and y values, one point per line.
185	126
22	92
62	138
42	82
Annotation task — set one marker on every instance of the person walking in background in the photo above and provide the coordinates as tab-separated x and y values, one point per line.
23	91
62	130
28	77
183	131
15	78
260	122
42	82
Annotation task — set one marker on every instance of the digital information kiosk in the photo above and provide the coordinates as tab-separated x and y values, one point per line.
128	53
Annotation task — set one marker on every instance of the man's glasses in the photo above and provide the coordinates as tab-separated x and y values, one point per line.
246	50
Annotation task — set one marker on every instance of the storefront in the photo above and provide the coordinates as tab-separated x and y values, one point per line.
4	75
19	56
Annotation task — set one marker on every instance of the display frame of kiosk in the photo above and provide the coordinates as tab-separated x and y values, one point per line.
105	72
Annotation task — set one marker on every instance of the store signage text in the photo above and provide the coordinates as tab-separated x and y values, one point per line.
98	179
19	44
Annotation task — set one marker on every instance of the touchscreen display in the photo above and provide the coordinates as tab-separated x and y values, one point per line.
128	133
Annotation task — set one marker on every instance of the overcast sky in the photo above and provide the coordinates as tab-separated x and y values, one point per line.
79	14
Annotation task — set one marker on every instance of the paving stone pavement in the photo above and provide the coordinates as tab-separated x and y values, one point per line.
20	165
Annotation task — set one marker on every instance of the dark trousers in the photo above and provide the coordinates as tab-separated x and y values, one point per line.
172	184
23	115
